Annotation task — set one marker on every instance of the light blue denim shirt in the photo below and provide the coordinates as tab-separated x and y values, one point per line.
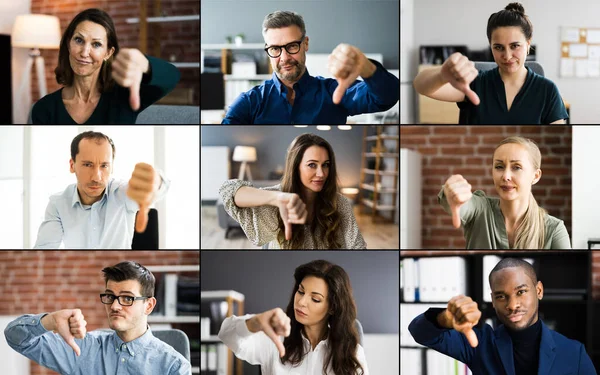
102	352
106	224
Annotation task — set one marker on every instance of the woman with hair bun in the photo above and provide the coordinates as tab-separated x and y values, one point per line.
508	94
514	220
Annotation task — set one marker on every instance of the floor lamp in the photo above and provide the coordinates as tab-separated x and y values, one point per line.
244	154
35	31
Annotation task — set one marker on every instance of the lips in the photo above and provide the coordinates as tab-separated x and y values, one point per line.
507	188
516	317
300	313
116	316
83	62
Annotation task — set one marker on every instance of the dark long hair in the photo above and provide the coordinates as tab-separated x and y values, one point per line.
64	72
342	336
326	215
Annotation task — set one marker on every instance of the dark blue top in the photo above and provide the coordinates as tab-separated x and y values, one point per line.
558	355
313	104
113	106
538	101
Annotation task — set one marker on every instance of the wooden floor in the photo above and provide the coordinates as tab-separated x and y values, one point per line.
377	235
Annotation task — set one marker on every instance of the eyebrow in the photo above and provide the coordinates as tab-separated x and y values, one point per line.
318	161
313	292
498	44
100	39
517	288
123	291
91	162
512	161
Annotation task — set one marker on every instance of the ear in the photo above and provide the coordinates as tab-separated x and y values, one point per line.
110	53
150	303
539	288
536	176
71	165
306	41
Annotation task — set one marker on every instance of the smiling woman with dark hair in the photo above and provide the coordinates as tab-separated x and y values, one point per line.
103	84
318	325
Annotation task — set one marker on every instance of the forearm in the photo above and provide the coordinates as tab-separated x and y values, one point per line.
429	81
48	322
252	197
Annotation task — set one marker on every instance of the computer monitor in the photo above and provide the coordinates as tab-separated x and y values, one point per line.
5	80
212	91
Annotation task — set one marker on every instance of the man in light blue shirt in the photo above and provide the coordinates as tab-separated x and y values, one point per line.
129	349
99	212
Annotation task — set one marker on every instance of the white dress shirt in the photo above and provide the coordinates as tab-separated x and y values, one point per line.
258	349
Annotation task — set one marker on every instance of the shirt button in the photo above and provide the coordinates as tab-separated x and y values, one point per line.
122	359
32	321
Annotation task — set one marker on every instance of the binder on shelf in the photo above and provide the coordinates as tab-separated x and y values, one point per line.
211	359
409	279
170	281
203	364
441	278
410	362
489	262
222	359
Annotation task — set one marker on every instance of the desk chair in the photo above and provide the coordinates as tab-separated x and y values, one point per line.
482	66
177	339
359	329
147	240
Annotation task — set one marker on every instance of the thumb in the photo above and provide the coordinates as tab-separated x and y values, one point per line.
71	342
339	92
141	220
134	95
275	338
471	337
456	216
288	231
473	97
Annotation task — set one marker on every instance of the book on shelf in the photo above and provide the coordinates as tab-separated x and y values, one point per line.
214	359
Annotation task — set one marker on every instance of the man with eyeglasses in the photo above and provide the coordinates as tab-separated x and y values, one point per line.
59	340
293	96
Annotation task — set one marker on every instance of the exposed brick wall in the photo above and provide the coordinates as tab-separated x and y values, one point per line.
181	39
45	281
595	264
468	150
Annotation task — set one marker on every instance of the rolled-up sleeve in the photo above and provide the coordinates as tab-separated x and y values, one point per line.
261	224
254	348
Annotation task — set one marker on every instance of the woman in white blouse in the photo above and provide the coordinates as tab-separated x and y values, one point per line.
305	211
318	325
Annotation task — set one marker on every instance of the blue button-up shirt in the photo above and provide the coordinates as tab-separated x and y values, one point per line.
313	104
102	352
107	224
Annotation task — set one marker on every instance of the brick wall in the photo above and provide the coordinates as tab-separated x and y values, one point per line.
468	150
181	39
44	281
595	265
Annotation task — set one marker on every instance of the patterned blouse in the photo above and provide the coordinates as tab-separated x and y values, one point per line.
261	224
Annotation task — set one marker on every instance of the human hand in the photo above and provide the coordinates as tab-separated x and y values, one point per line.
458	192
460	72
462	314
70	324
292	211
346	63
142	186
273	323
127	70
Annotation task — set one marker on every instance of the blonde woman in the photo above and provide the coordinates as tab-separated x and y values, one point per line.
305	211
514	220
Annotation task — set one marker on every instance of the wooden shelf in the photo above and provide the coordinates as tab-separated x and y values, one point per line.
380	190
173	319
383	136
381	154
260	46
381	173
195	17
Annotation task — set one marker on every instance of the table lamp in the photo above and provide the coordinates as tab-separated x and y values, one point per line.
36	31
244	154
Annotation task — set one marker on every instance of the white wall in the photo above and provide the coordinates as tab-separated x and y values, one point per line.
13	363
586	180
465	21
381	352
9	10
408	62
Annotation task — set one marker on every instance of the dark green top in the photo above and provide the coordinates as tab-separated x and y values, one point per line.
113	107
538	101
484	228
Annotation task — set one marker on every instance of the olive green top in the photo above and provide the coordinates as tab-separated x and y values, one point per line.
484	228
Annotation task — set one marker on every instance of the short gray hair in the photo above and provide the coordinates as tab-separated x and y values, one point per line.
283	18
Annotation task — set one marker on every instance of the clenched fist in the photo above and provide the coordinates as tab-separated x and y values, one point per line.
458	192
292	210
127	70
273	323
143	184
70	324
346	63
460	72
462	314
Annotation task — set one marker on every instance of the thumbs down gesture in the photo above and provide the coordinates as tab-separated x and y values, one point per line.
346	63
127	70
69	324
458	192
143	185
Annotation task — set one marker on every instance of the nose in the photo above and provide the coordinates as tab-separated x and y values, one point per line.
513	304
115	305
506	175
302	301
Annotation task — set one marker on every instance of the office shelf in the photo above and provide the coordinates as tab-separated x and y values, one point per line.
173	319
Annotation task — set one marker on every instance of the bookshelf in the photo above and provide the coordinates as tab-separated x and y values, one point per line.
168	316
567	301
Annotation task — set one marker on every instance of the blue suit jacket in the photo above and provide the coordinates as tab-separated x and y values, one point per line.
494	354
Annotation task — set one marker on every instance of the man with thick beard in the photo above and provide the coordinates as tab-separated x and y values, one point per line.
521	345
292	96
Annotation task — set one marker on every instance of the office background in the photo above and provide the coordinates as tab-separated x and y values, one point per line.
468	150
45	281
464	22
34	164
370	25
266	280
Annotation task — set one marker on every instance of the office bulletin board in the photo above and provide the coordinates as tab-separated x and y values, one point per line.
580	52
